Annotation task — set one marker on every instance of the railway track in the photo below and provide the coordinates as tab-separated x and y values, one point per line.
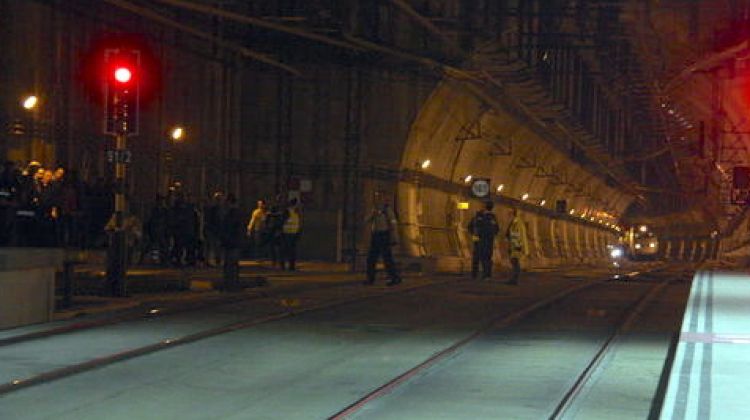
571	395
157	310
401	380
167	343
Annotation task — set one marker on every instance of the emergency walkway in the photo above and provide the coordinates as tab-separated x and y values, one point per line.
711	365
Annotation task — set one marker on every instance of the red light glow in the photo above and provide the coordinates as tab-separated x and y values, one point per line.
123	75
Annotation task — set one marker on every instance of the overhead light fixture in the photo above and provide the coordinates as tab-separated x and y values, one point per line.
500	187
572	211
525	196
30	102
426	164
177	133
468	178
543	202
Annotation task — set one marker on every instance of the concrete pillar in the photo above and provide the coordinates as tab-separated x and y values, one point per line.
667	250
27	285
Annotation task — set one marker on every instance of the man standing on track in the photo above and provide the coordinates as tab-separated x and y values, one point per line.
383	227
518	244
483	228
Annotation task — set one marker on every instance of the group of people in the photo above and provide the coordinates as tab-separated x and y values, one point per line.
180	232
483	228
44	207
51	207
274	232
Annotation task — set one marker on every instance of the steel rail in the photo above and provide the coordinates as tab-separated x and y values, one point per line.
146	311
625	325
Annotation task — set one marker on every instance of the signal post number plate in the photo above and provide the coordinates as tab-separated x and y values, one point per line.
119	156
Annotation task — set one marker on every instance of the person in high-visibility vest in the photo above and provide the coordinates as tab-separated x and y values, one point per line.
290	232
256	228
518	244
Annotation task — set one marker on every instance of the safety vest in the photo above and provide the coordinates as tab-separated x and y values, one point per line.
292	223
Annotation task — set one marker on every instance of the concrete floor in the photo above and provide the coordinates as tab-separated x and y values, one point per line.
313	365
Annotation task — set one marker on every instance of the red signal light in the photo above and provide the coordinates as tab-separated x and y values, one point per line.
123	74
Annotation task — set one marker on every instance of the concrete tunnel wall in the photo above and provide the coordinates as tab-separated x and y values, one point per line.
510	155
734	247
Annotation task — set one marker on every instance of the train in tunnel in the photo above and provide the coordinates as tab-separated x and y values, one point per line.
640	243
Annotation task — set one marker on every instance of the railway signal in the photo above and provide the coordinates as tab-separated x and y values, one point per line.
121	86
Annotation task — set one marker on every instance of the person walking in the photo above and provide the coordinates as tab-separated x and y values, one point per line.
290	235
483	228
518	244
383	236
232	234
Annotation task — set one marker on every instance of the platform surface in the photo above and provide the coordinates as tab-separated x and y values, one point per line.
709	376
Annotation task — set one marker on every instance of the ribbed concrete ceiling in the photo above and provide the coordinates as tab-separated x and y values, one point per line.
696	53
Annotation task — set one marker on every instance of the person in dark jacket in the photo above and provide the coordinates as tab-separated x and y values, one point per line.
157	239
483	228
272	231
383	236
8	201
232	235
212	227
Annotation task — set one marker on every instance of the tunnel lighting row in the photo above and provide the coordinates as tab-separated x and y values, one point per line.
542	202
601	221
675	113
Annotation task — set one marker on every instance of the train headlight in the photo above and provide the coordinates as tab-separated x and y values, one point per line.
638	246
615	253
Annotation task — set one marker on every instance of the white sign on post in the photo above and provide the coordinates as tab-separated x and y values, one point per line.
480	187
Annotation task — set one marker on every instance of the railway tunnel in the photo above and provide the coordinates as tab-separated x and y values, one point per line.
566	119
594	119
